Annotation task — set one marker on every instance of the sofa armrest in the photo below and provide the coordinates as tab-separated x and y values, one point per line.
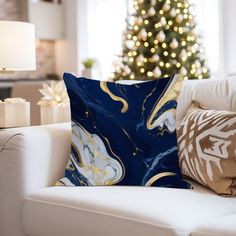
30	158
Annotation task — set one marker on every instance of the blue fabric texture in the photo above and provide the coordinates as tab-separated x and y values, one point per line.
123	134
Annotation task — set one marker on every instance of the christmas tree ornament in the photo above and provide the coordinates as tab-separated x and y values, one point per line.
174	44
127	70
153	2
154	58
183	53
166	6
163	21
183	71
157	72
199	71
140	1
179	18
197	63
130	44
139	21
143	34
140	58
151	11
172	12
161	36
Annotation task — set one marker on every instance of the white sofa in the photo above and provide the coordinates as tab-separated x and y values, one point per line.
33	158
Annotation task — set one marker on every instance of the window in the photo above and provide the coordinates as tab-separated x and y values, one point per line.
207	18
106	24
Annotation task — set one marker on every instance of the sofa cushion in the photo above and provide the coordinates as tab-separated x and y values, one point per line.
118	211
207	144
123	134
221	226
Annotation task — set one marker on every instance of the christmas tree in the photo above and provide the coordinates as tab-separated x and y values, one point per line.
160	41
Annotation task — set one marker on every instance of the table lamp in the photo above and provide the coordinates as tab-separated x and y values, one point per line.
17	46
17	53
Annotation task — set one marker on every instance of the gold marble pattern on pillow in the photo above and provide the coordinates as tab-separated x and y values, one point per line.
207	148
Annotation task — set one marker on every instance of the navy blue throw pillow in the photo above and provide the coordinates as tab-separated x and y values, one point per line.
123	134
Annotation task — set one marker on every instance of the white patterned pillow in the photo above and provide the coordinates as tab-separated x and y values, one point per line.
207	148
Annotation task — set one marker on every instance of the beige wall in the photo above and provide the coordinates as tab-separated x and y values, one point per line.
45	50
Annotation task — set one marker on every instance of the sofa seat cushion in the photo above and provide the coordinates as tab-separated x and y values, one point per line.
225	225
121	211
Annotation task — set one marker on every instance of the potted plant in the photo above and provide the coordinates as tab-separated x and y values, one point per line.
88	66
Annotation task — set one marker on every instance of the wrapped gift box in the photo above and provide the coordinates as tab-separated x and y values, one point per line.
14	113
54	114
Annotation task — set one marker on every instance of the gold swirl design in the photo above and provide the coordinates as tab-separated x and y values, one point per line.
157	177
59	183
171	92
145	100
104	87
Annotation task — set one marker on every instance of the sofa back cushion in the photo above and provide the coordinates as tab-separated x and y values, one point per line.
207	148
212	93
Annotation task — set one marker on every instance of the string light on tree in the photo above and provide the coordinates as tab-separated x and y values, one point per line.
161	40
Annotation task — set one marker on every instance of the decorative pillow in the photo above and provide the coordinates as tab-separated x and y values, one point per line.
207	148
123	134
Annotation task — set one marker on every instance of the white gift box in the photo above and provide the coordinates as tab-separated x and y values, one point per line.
14	114
54	114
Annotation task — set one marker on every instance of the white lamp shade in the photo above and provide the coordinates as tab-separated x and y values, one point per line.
17	46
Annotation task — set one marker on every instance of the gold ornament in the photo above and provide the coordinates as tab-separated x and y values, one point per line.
179	18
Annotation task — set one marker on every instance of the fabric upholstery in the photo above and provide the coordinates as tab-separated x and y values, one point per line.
121	210
220	226
26	164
